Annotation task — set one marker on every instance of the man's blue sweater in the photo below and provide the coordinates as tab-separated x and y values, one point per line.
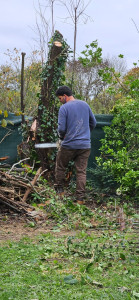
75	120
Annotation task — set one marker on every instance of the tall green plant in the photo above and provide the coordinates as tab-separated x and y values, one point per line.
119	151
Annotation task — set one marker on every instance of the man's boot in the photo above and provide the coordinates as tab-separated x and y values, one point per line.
59	190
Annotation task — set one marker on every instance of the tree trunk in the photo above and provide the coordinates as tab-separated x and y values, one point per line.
46	88
47	110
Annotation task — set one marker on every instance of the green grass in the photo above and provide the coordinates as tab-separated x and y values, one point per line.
92	260
88	265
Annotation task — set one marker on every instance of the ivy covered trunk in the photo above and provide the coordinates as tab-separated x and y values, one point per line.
51	78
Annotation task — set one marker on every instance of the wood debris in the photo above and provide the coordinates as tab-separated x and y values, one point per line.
14	191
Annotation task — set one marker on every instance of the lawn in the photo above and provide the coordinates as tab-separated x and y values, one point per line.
74	260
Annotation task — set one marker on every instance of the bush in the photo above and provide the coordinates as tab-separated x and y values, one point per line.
119	151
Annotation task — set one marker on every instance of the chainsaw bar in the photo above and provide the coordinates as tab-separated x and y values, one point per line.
46	145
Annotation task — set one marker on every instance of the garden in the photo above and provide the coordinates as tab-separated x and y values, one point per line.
50	246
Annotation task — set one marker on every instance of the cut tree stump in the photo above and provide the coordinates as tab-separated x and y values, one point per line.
47	97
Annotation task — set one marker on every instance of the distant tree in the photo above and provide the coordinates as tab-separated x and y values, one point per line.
9	89
10	83
76	10
113	70
51	2
44	28
98	80
131	81
41	31
87	83
117	63
100	91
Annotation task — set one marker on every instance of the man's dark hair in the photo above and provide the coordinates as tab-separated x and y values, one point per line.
64	90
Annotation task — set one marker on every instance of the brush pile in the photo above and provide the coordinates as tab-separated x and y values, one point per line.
14	191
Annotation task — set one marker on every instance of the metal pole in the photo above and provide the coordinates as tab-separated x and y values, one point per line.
22	87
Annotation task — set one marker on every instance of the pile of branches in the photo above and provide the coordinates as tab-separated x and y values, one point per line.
14	192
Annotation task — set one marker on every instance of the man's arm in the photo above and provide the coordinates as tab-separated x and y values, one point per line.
92	120
61	123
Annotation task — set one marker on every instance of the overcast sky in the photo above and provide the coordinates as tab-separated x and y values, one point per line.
115	24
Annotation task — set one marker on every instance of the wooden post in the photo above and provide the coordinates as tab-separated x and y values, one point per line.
22	87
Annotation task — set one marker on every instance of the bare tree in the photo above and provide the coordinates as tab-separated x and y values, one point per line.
42	31
50	4
76	10
52	14
44	28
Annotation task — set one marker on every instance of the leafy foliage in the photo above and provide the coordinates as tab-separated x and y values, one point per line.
98	80
119	151
101	180
92	55
131	81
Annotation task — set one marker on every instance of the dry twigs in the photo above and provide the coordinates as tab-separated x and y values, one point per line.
32	184
14	191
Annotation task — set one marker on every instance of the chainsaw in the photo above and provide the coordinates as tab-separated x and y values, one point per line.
48	145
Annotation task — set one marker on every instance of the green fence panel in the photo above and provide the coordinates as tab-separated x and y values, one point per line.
96	136
10	138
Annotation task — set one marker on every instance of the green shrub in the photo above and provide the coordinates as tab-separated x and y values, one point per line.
119	150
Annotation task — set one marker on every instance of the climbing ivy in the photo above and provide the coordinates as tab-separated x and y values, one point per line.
52	77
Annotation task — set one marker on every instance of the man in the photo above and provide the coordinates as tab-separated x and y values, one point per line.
75	121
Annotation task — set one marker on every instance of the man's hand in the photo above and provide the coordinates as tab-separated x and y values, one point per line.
58	143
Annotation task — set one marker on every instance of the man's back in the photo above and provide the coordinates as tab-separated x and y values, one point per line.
74	123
